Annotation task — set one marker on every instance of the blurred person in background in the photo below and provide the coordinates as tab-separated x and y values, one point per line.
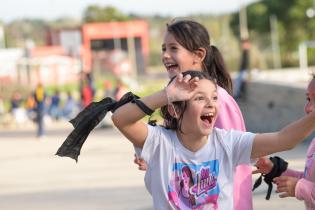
107	85
91	83
30	107
120	89
240	82
70	107
54	107
86	92
17	110
40	100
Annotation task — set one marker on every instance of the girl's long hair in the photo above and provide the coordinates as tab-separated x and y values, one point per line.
193	36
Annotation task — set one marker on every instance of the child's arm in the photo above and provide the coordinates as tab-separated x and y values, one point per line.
127	118
305	190
285	139
302	189
264	165
293	173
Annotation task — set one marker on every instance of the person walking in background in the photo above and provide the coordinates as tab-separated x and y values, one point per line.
16	101
240	84
91	83
17	110
186	46
40	99
292	183
107	86
54	107
120	89
30	107
86	93
70	107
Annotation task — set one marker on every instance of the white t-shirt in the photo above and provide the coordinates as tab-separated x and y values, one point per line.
180	179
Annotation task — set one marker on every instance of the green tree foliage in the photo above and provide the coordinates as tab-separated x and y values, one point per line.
293	25
18	31
65	22
95	13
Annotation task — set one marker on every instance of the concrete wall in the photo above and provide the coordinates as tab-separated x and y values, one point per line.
269	107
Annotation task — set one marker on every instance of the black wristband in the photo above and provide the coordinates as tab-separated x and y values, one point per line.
279	166
142	106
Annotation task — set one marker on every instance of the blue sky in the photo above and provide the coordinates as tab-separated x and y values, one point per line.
52	9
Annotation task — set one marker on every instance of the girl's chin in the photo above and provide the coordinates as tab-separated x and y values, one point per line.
207	131
207	125
172	72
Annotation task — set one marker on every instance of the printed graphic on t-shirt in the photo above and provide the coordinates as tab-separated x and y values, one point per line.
194	186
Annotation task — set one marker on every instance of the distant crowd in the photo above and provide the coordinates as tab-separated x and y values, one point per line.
39	106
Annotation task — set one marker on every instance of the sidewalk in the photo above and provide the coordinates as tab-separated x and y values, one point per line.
32	177
105	177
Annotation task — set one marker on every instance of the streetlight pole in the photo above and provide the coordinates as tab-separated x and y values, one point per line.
275	42
2	37
243	22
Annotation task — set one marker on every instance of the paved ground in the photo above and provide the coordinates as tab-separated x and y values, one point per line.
32	177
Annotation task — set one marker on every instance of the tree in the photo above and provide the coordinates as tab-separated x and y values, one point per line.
95	13
18	31
293	25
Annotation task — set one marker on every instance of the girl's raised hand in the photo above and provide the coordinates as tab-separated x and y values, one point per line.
181	88
264	166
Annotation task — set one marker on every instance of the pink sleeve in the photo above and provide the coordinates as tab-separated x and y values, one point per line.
293	173
230	116
305	190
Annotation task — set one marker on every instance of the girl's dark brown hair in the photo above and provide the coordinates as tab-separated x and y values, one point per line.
180	106
192	36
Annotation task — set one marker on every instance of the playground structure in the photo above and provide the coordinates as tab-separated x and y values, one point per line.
131	37
69	52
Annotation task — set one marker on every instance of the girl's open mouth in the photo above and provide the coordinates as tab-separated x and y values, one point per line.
207	118
171	67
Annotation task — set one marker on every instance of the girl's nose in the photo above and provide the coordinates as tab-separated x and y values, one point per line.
165	54
309	107
209	103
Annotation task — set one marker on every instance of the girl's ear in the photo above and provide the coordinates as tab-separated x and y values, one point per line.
172	110
200	54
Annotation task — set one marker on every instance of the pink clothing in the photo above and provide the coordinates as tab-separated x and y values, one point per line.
230	117
87	95
305	187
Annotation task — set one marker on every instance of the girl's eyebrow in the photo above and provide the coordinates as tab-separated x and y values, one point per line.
205	92
170	44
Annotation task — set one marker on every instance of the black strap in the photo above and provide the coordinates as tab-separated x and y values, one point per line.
279	166
86	121
143	107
